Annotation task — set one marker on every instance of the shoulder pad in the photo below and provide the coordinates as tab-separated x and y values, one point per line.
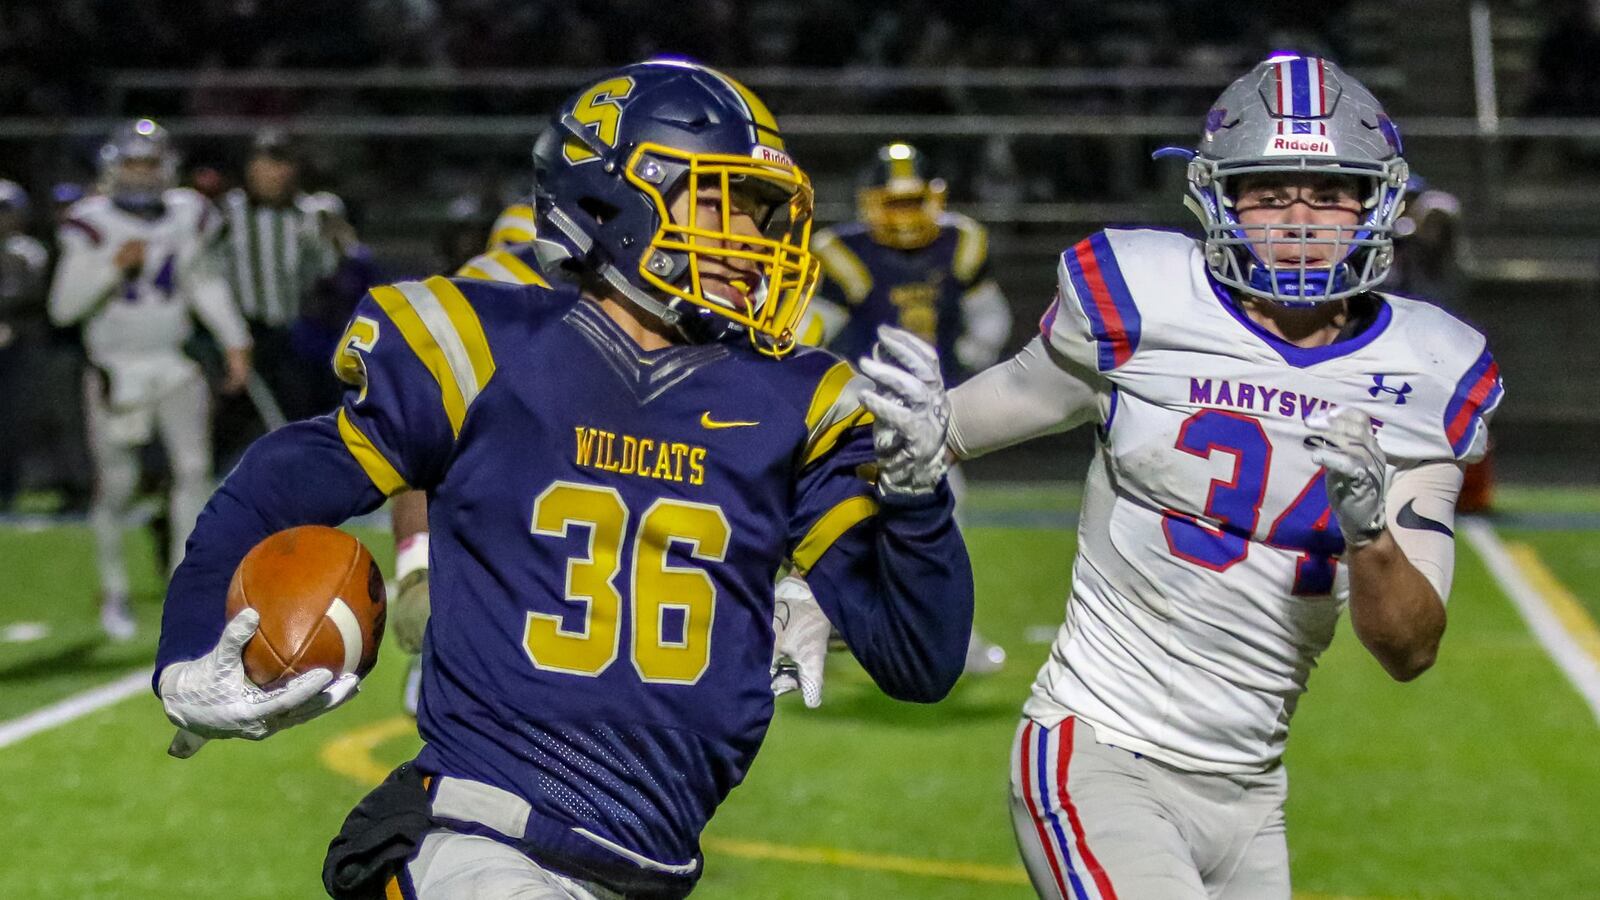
842	264
1466	385
972	245
505	265
835	400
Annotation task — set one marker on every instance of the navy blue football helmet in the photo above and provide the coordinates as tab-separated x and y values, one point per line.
899	200
620	152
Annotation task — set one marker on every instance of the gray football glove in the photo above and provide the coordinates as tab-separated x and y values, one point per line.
211	697
911	412
1342	442
800	648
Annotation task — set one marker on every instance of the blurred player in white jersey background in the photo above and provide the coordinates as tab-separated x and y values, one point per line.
137	264
1277	441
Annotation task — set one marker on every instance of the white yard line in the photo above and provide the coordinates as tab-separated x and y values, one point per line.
74	707
1539	610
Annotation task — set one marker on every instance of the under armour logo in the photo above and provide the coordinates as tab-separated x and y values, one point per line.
1378	387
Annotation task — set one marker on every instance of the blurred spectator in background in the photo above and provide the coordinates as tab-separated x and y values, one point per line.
1427	255
23	331
1566	66
470	221
333	298
276	251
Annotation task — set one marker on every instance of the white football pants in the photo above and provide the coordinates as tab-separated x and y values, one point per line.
1096	822
451	866
181	415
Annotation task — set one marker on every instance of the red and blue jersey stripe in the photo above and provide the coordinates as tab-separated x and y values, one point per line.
1105	299
1477	393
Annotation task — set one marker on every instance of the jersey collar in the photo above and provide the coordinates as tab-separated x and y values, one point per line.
1302	357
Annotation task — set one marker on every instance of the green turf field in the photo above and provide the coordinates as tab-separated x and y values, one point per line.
1479	780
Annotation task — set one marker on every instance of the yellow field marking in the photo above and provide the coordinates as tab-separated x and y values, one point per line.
350	754
872	862
1566	607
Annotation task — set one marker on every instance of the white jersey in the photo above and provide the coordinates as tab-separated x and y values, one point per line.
134	328
1207	580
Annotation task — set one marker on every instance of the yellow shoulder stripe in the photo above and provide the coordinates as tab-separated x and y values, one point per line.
372	461
440	327
841	264
829	528
827	393
832	412
823	443
502	266
468	328
514	226
972	248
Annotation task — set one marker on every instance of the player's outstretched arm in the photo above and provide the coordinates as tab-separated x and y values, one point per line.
1396	611
1034	393
895	578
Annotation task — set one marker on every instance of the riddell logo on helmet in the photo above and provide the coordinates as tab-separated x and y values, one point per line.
767	154
1296	144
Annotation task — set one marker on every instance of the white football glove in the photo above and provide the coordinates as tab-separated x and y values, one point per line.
211	697
911	412
801	648
1343	443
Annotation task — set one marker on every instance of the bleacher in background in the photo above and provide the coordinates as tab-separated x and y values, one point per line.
405	107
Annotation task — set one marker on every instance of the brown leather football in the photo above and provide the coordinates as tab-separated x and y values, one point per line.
321	601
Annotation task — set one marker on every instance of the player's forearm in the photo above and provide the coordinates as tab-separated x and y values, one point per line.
1026	396
1395	611
300	474
212	301
900	592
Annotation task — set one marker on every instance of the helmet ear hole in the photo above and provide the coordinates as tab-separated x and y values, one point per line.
601	211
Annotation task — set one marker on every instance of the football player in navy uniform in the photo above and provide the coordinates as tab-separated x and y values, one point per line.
616	466
908	262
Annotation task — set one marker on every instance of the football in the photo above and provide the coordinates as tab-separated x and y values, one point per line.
321	600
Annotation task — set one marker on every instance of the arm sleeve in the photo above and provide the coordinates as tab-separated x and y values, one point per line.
85	275
1033	393
1421	509
892	574
212	299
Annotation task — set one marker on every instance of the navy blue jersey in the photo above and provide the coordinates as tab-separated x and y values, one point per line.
606	526
919	290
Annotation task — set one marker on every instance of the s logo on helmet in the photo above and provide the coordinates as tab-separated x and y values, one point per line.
599	108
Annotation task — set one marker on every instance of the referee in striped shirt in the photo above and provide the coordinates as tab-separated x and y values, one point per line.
276	251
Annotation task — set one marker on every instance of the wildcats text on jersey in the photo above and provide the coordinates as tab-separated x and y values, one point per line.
645	457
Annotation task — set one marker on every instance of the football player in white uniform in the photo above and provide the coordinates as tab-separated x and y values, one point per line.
1277	442
136	263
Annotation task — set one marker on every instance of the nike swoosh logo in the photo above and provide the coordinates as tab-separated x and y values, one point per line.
707	422
1410	518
